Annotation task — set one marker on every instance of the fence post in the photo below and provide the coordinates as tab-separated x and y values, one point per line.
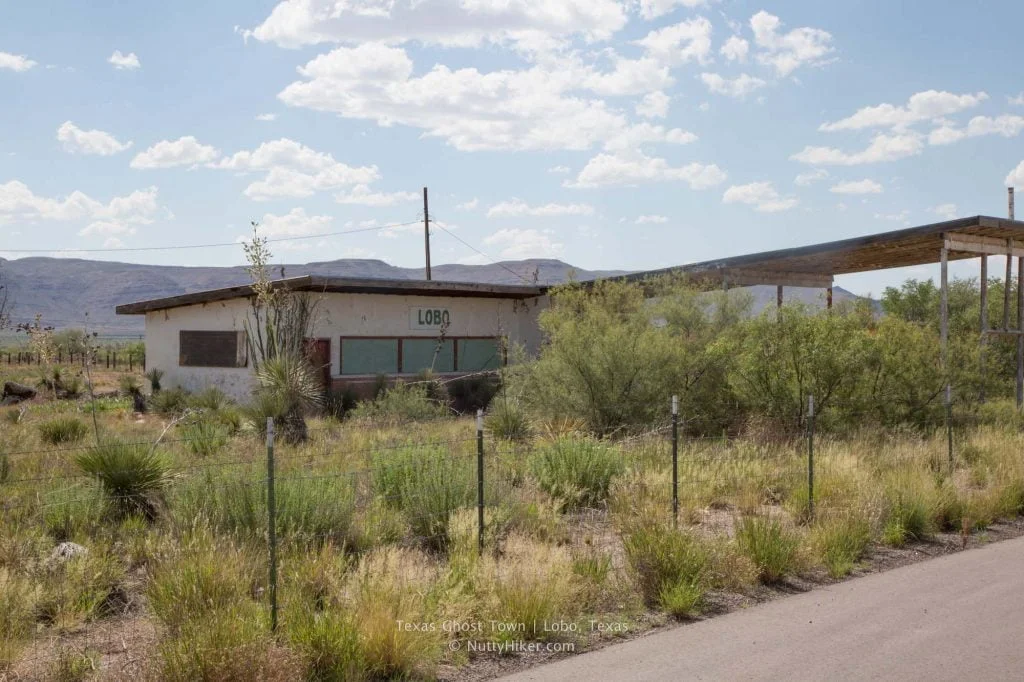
675	461
272	523
949	425
810	456
480	480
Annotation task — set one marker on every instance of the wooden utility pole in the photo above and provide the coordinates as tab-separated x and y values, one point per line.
426	230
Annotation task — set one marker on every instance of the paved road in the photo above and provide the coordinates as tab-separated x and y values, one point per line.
958	617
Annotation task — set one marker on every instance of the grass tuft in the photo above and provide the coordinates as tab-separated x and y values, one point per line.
772	547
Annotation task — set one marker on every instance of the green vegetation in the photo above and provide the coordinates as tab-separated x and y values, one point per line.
63	430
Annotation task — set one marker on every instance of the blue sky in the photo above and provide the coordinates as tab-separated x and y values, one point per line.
627	134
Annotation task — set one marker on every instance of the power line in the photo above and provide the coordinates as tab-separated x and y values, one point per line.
465	243
210	246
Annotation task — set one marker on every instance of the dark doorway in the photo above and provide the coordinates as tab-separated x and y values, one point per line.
319	353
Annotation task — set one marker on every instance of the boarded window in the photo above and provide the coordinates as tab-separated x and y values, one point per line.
369	356
476	355
418	355
211	349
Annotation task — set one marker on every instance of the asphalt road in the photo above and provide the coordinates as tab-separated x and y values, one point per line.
958	617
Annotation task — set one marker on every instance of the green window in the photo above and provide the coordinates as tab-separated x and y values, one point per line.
369	356
418	355
476	355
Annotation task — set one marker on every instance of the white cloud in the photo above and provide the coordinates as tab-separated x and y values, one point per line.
921	106
866	186
680	43
629	77
15	62
464	23
531	109
1016	177
653	105
362	195
901	217
652	9
761	195
76	140
651	220
606	170
735	49
119	216
559	169
1007	125
185	151
294	170
639	134
738	87
1017	100
124	61
810	177
786	52
518	243
946	134
468	205
517	208
945	211
295	223
266	117
882	148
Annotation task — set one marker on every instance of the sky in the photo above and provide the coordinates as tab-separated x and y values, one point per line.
612	134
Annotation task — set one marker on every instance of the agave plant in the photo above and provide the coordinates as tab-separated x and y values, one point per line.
133	475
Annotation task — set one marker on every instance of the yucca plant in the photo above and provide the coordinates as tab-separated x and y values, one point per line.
154	375
133	475
289	384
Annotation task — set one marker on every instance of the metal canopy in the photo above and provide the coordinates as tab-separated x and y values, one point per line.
816	264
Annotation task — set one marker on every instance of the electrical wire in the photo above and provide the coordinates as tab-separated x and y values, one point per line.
468	245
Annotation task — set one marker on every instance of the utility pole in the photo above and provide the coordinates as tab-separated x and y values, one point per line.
426	230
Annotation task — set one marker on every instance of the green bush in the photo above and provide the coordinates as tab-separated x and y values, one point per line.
840	542
471	393
204	436
212	399
671	567
63	430
172	401
772	547
507	420
133	475
426	485
579	473
401	403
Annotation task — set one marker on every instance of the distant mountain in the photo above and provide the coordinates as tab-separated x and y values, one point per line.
63	290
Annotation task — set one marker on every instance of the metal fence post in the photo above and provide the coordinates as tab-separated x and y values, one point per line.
675	461
480	480
272	523
810	456
949	425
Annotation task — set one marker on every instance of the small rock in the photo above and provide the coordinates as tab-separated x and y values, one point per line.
67	550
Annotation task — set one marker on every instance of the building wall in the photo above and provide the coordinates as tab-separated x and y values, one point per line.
337	315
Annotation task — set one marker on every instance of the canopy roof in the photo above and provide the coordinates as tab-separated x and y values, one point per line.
815	265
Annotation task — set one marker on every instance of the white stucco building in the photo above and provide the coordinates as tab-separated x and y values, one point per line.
362	328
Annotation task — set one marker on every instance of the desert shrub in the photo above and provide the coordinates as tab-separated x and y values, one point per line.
73	386
133	475
772	547
172	401
204	436
671	567
577	472
401	403
129	384
426	485
436	392
329	643
19	597
211	398
910	502
63	430
507	420
471	393
840	542
338	404
264	405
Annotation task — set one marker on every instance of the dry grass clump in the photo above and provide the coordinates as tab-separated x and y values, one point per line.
771	544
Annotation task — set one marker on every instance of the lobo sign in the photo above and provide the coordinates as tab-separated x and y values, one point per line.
429	318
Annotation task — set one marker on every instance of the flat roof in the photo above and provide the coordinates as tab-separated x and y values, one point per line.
344	285
898	248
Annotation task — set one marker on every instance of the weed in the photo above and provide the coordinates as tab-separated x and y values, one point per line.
577	472
63	430
771	546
